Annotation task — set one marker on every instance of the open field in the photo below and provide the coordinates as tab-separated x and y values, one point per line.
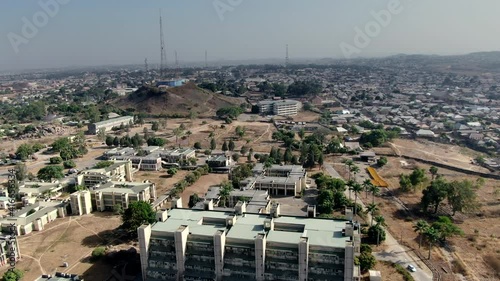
71	240
475	254
452	155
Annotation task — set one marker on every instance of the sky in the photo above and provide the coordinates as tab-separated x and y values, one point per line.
119	32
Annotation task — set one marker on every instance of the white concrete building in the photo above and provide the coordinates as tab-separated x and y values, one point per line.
81	203
279	107
107	125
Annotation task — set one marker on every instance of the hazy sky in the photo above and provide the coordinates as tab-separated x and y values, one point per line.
99	32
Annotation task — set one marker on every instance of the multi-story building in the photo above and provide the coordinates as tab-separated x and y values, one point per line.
118	171
106	196
151	162
8	244
107	125
34	217
279	107
186	244
81	203
177	156
277	180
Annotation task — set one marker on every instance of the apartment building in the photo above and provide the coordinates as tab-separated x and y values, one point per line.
107	125
279	107
81	203
104	197
118	171
187	244
151	162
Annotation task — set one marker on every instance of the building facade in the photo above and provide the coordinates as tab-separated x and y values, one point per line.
107	125
118	171
105	197
81	203
187	244
279	107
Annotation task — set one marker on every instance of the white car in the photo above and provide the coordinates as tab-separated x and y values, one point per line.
411	268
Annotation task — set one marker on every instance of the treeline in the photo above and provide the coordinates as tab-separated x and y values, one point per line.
189	180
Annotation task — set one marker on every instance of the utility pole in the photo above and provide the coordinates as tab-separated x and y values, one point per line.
163	54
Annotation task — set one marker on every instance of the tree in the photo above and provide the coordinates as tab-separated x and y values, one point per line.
213	144
101	134
446	228
50	172
117	209
240	131
68	164
434	194
380	223
225	191
24	151
155	126
109	140
235	157
231	145
357	188
302	133
376	234
14	275
197	145
325	201
432	235
417	177
21	171
433	170
55	160
244	150
192	115
367	186
366	261
172	171
193	199
156	141
116	141
420	227
224	146
405	182
462	196
135	215
382	161
372	209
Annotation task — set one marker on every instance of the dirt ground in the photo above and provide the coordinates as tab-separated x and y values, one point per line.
386	270
70	240
201	186
476	253
164	183
444	153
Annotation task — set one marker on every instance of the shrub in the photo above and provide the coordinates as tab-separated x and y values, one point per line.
68	164
197	145
98	253
401	270
55	160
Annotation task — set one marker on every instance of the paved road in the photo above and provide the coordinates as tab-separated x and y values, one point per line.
394	252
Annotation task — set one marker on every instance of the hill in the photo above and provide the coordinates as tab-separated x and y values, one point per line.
178	100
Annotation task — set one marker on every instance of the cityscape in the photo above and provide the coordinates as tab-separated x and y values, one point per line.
234	140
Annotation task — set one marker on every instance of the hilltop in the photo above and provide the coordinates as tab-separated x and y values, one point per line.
178	100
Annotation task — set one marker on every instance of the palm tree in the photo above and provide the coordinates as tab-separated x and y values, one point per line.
349	163
432	236
188	134
372	209
357	188
380	222
177	132
421	227
350	183
367	185
375	190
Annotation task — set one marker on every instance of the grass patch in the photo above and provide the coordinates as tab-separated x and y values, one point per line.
401	270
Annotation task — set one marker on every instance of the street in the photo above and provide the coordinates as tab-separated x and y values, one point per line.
395	252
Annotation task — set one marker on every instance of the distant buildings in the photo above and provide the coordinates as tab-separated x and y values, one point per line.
6	247
279	107
118	171
171	83
107	125
189	244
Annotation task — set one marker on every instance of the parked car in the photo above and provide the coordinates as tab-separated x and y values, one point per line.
411	268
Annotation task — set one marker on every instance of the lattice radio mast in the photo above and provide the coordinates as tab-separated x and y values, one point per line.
163	54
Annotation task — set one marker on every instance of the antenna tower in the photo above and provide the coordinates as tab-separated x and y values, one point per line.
176	60
287	60
146	65
163	61
206	59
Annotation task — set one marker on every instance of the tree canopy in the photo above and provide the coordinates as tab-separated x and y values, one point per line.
50	172
135	215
